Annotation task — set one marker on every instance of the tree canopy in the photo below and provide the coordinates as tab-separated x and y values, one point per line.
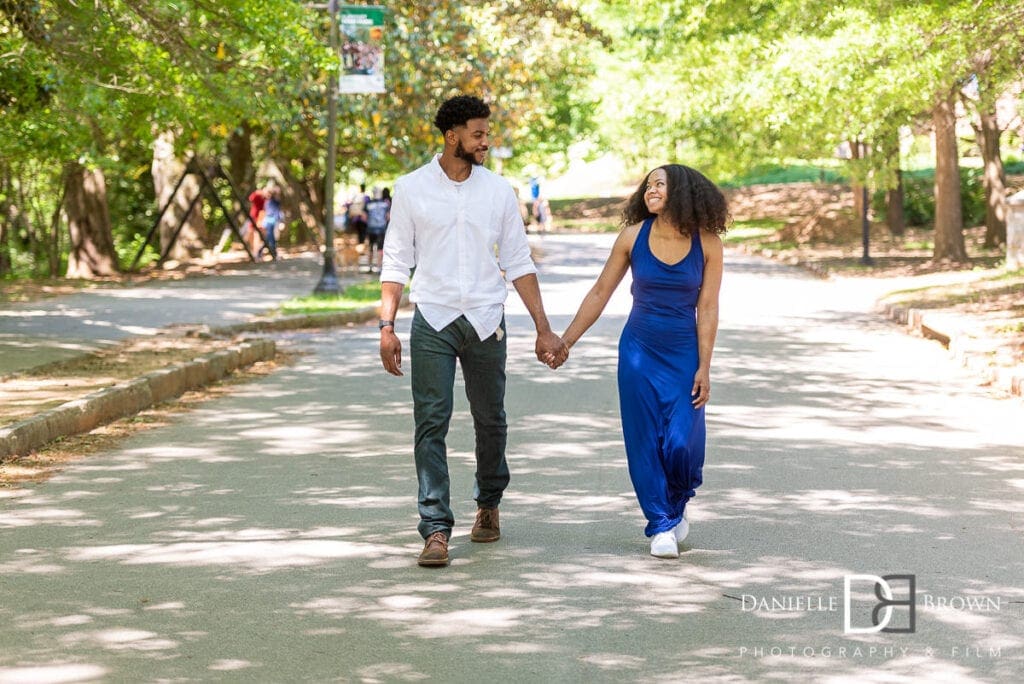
723	84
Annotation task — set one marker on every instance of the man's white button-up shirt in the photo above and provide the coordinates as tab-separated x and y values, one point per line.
459	237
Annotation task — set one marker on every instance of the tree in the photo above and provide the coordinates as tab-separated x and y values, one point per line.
949	221
120	71
791	78
92	247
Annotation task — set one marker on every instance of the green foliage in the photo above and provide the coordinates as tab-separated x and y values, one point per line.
736	88
731	85
127	245
788	173
919	197
121	72
1013	166
972	190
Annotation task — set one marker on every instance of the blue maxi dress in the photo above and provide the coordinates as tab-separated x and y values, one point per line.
658	357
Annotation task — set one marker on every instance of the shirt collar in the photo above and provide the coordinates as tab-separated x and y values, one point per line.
444	176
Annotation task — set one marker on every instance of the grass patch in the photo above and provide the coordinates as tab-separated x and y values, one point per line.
587	225
983	287
755	231
1016	328
788	173
354	296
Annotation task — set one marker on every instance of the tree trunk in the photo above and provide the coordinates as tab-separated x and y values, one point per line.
242	172
55	235
895	218
894	213
92	243
303	198
5	248
994	180
949	221
5	229
167	169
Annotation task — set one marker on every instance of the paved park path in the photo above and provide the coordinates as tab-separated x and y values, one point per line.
270	535
34	333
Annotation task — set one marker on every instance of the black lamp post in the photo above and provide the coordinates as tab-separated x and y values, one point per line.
329	278
865	230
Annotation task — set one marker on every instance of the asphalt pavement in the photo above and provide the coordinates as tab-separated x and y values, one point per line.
39	332
270	535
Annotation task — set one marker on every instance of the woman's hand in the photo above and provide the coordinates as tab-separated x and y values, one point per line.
701	391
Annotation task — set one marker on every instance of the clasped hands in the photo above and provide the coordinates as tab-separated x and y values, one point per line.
551	350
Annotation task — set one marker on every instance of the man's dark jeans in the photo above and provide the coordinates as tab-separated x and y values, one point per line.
433	356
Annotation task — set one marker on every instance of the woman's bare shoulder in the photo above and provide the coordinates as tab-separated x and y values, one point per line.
627	236
711	242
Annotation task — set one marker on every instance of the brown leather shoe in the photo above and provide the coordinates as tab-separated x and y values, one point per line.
435	551
486	527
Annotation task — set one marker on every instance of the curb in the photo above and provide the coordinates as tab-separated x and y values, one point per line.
127	398
301	321
1010	380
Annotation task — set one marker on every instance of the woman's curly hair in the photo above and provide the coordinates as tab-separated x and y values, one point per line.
456	111
692	203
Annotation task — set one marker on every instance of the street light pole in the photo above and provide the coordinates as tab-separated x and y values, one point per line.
865	229
329	279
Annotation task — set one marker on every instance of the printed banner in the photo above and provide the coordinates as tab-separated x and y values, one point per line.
362	49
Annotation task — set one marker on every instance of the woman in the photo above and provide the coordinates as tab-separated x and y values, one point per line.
671	240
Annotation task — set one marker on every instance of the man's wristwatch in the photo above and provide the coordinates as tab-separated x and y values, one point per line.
381	324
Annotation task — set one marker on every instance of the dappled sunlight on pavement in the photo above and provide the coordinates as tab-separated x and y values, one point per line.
271	534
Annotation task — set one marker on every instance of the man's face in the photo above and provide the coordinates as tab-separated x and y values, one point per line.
472	141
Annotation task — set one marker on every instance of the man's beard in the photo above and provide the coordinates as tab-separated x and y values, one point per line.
461	153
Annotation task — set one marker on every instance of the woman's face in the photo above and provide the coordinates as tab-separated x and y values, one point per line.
656	192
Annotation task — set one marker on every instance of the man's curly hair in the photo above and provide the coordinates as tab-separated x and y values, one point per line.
456	111
693	203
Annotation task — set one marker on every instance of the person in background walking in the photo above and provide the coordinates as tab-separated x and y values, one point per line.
272	218
670	240
356	213
458	224
257	202
378	213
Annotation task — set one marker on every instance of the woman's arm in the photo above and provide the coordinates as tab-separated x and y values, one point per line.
707	316
597	298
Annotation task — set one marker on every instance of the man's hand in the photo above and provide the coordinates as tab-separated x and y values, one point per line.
550	349
391	351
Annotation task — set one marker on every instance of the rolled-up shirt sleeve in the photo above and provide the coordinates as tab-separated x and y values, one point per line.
399	242
513	247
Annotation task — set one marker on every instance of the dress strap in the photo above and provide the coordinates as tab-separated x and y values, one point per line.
641	237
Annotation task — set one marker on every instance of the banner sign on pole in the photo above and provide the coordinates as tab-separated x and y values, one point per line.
362	49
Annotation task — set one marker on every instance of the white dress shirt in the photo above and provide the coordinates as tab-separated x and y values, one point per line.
459	237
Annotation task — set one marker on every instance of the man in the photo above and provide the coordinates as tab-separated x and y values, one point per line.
459	226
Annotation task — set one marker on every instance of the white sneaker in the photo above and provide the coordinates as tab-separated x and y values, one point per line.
663	545
682	529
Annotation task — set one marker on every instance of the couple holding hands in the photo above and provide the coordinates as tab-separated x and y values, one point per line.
458	225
